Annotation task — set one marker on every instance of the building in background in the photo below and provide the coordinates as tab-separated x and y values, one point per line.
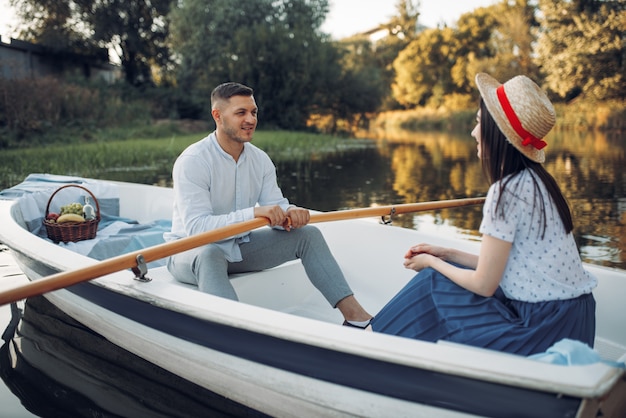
20	59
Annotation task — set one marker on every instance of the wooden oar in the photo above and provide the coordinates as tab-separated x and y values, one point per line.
130	260
340	215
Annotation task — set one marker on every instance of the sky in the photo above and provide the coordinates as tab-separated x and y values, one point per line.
348	17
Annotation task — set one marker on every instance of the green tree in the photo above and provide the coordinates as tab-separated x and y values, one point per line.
423	68
498	40
441	63
474	48
516	35
276	47
361	85
135	29
47	23
402	29
582	48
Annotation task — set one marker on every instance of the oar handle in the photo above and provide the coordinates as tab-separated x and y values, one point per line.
393	209
129	260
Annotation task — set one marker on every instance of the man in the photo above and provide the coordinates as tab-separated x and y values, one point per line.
224	179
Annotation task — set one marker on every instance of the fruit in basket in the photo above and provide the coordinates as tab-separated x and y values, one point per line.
70	217
52	217
75	208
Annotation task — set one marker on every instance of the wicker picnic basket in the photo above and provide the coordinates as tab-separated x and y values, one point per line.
72	231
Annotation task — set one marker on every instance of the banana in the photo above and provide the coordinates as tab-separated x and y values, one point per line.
70	217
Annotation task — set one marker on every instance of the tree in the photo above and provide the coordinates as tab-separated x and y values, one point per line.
423	68
403	29
276	47
135	29
442	62
474	46
498	40
516	27
582	48
360	86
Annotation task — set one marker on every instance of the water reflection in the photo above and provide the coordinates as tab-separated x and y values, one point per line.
590	170
408	167
58	368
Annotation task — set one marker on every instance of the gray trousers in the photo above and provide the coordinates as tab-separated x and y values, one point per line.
207	267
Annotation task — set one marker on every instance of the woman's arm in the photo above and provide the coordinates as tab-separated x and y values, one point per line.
486	270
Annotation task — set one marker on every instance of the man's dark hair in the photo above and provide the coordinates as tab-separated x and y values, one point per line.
227	90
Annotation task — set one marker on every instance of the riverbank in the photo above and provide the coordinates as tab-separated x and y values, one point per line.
153	155
578	116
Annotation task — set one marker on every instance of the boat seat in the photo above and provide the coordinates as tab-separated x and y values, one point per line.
281	288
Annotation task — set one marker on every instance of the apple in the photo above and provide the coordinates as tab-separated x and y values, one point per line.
52	217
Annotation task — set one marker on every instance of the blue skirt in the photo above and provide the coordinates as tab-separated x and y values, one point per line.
431	307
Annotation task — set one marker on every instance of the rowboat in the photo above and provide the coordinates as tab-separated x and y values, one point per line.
281	349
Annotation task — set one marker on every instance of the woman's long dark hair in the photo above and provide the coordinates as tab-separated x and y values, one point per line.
501	159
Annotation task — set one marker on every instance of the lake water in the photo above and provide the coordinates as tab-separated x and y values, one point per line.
403	168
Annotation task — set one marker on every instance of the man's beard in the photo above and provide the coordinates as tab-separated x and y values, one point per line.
234	134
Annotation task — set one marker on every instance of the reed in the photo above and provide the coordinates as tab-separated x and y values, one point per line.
115	159
584	116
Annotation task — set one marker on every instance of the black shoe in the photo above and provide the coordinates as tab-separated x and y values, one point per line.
348	324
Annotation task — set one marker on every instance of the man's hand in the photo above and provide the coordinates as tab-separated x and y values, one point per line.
298	216
274	214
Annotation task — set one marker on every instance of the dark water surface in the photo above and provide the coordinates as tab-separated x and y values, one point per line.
403	168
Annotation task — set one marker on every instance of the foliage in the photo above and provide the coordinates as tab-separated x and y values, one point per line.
578	115
423	68
582	48
136	29
302	79
473	48
402	30
48	109
273	46
609	116
497	40
443	61
422	119
31	107
154	156
357	89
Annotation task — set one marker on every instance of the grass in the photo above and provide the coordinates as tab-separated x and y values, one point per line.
113	159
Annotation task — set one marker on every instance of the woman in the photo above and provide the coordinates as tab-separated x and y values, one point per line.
526	289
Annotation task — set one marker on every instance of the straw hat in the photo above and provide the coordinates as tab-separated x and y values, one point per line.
521	110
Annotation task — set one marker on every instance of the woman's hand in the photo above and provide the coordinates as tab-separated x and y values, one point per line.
420	256
418	261
483	273
439	252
